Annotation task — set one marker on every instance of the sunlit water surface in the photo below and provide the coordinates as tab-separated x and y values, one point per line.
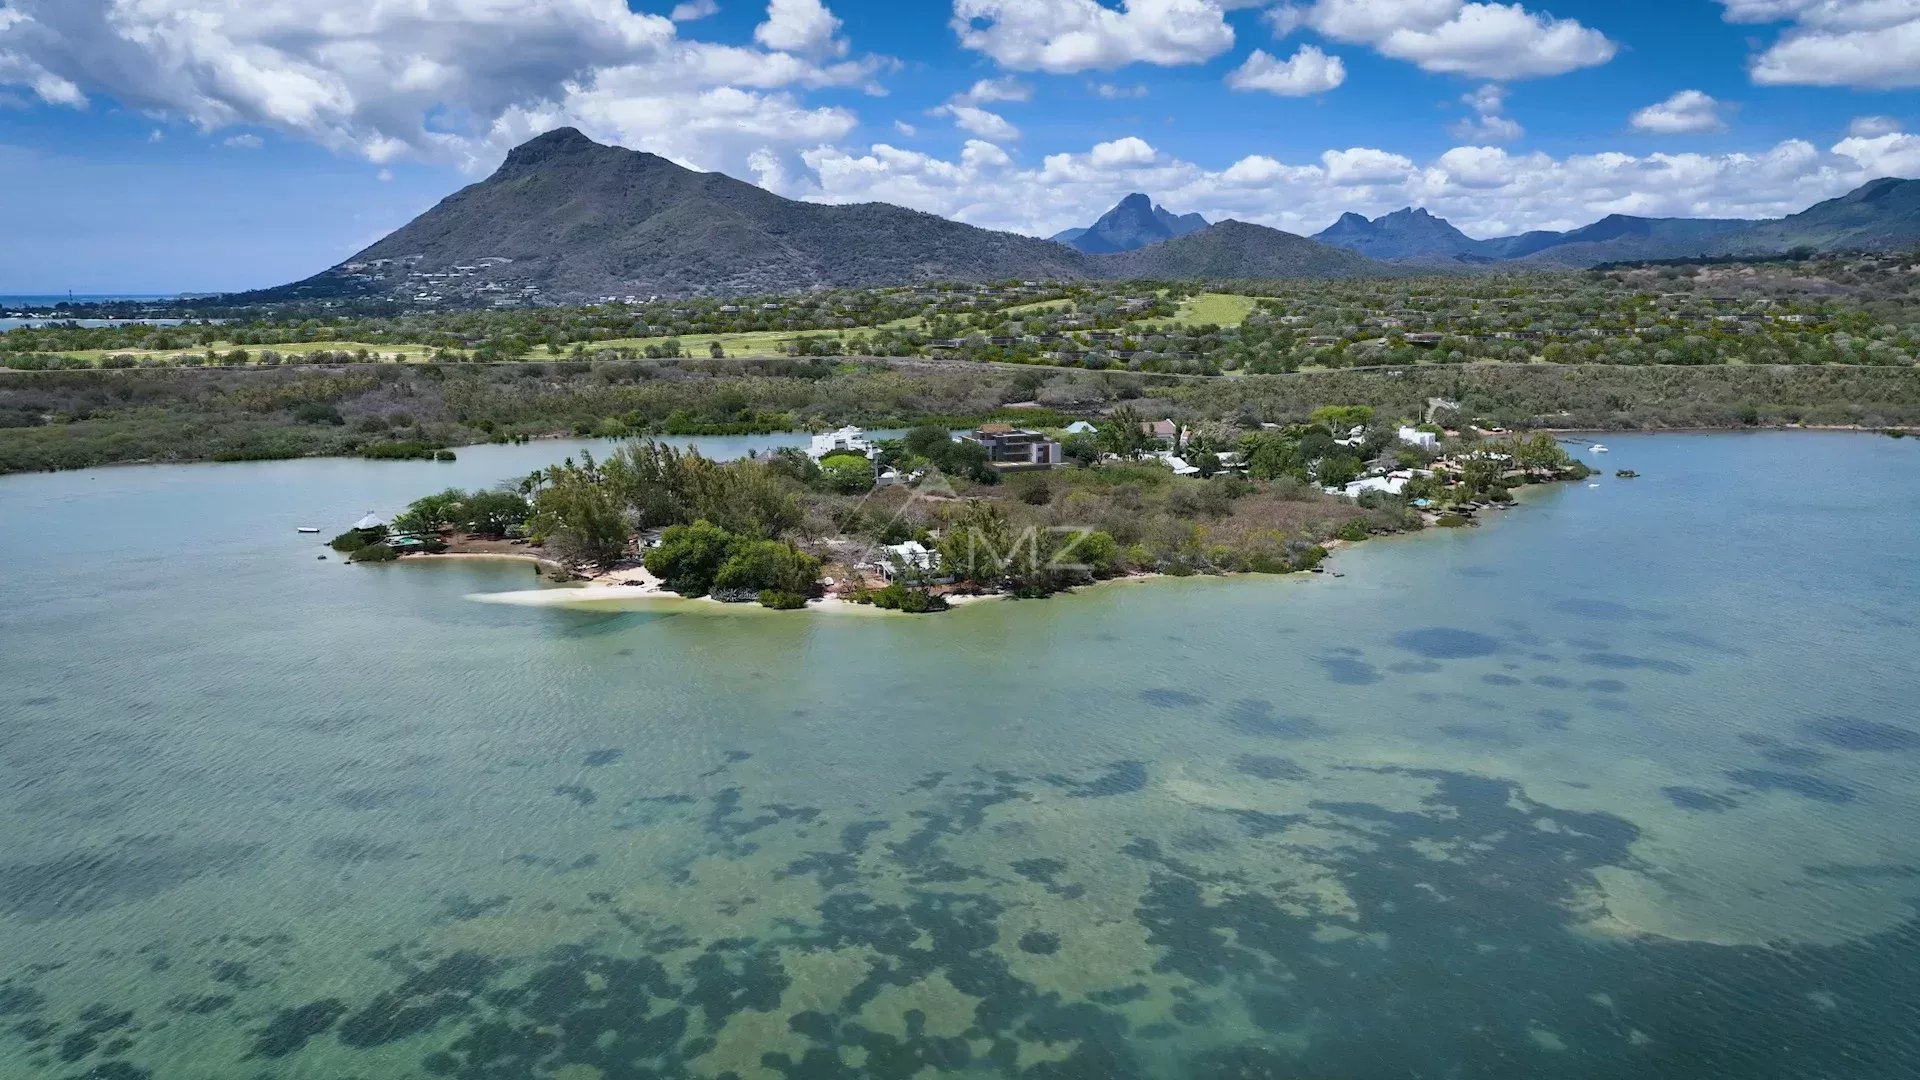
1621	784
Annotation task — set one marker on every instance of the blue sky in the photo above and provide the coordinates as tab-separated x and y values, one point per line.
218	144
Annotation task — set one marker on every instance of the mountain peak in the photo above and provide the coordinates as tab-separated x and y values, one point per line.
1134	222
1876	189
1407	233
559	143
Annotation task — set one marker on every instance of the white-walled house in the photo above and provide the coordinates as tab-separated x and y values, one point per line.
1425	440
1392	483
847	440
913	562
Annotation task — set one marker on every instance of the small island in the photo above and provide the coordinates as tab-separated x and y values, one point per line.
933	518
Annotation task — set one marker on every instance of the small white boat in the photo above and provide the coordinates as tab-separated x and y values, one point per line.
308	529
1597	448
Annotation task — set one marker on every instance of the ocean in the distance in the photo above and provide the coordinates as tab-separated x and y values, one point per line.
1622	784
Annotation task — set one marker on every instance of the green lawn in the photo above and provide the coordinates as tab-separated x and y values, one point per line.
1221	309
407	352
1038	306
744	343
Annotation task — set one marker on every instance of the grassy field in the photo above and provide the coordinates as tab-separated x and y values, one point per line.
1221	309
411	353
1038	306
745	343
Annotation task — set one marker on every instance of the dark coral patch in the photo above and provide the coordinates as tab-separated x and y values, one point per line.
1687	798
1805	785
1447	643
1852	733
1039	943
291	1029
1624	662
1347	671
1255	716
1164	697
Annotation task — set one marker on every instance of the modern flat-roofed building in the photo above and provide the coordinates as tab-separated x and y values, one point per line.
1017	448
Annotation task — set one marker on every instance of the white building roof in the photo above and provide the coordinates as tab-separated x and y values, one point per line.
912	554
1392	485
846	439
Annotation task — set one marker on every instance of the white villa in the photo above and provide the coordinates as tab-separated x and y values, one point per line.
1425	440
913	561
1392	483
848	440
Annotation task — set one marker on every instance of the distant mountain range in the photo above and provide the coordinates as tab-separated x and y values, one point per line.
1883	214
1136	222
566	219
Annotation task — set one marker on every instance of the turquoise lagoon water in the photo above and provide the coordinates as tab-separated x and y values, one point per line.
1621	784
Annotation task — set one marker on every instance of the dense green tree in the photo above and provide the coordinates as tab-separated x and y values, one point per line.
1338	470
847	474
1124	433
689	557
978	544
580	521
494	514
763	565
433	513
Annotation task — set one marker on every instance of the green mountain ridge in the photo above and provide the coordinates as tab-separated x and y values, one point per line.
1882	214
566	219
1235	249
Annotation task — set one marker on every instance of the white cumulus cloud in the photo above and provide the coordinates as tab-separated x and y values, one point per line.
1363	165
1867	127
1308	71
1685	113
1066	36
987	91
1481	40
694	11
1489	122
1485	190
448	80
1891	153
1860	43
977	121
801	26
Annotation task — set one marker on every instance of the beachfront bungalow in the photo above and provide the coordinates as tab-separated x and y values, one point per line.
847	440
1392	483
912	562
371	521
1011	447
